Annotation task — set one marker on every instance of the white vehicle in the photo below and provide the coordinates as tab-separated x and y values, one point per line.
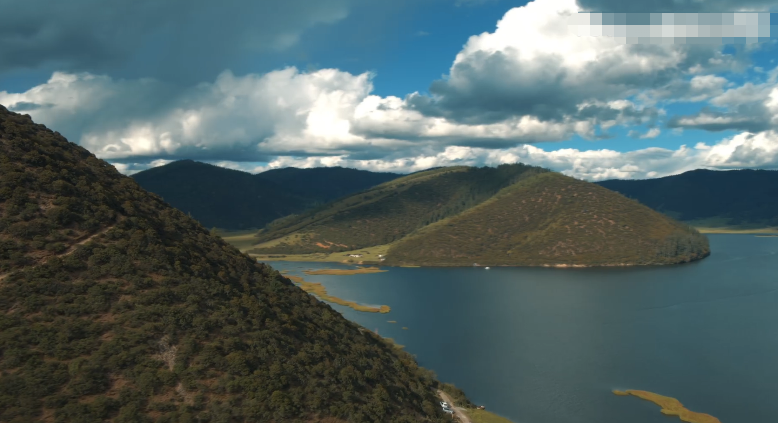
448	410
444	404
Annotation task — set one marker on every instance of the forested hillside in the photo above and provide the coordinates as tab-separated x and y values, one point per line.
325	184
557	220
219	197
232	199
116	307
738	197
389	211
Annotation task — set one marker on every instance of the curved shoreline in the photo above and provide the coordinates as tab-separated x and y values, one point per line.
320	291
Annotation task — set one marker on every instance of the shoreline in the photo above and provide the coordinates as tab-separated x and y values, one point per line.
375	265
735	230
319	291
358	271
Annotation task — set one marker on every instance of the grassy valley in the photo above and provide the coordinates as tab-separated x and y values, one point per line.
115	306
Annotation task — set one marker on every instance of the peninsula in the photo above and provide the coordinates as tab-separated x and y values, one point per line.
512	215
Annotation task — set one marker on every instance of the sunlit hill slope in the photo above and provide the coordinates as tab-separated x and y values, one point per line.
389	211
512	215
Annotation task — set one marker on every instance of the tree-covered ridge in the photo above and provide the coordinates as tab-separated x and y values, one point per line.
552	219
390	211
219	197
325	184
741	197
116	307
232	199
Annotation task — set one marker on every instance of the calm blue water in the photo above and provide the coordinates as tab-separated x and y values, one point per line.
541	345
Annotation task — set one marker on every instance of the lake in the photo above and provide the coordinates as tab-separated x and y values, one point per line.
544	345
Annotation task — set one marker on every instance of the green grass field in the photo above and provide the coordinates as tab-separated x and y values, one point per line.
369	256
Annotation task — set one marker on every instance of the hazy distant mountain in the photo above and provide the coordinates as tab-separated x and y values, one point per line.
325	184
743	197
232	199
509	215
116	307
220	197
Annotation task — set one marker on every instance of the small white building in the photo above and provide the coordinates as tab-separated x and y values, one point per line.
355	255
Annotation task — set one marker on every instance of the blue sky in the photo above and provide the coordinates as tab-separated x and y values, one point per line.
395	86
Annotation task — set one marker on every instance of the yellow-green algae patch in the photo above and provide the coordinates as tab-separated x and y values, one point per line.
392	321
671	406
357	271
320	291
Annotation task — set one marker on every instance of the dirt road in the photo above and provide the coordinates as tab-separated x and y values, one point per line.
458	411
67	252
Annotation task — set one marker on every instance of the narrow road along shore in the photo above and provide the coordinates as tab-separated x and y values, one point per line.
459	411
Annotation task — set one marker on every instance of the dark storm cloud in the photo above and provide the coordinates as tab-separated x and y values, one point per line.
25	106
496	90
489	87
158	38
715	121
629	114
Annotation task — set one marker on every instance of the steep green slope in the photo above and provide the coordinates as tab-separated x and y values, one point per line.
556	220
741	197
116	307
325	184
219	197
389	211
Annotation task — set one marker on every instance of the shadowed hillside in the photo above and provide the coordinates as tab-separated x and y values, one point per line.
231	199
739	197
557	220
390	211
324	184
219	197
116	307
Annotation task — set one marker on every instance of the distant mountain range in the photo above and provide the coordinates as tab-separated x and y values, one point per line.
231	199
324	184
509	215
732	197
116	307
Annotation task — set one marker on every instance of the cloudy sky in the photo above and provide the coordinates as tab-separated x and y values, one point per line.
402	85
